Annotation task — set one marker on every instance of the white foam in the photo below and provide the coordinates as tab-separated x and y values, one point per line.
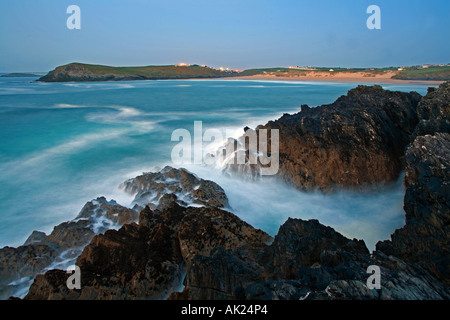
268	203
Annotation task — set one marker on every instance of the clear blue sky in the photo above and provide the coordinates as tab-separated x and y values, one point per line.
230	33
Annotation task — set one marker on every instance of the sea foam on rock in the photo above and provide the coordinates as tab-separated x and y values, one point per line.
158	189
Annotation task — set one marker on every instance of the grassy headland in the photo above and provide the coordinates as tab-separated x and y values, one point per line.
90	72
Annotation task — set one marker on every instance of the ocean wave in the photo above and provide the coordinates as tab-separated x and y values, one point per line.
99	85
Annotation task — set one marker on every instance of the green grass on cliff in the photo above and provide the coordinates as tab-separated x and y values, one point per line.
166	72
282	71
432	73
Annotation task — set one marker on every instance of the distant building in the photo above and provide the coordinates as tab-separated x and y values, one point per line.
331	70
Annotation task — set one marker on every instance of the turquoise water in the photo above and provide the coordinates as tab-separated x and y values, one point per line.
62	144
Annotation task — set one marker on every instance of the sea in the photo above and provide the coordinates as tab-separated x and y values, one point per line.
63	144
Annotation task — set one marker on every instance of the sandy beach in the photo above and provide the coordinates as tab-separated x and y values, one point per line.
340	77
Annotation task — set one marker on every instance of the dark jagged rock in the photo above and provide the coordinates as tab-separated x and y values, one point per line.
425	237
147	260
204	229
150	187
61	247
103	214
52	286
19	265
67	240
434	111
355	142
219	275
225	258
301	244
35	237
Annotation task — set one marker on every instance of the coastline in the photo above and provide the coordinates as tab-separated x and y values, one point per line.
327	77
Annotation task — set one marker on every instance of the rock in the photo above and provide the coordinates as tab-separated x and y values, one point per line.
103	214
18	266
222	257
301	244
52	286
35	237
148	260
133	263
219	276
356	142
204	229
424	240
304	107
399	281
434	111
61	247
150	187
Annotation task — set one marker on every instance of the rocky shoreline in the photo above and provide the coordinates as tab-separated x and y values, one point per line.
180	240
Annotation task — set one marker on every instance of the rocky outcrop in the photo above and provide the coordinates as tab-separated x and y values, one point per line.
18	266
301	244
434	111
148	260
425	238
64	244
356	142
61	247
158	189
222	257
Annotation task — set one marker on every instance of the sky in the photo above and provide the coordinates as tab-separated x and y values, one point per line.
239	34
